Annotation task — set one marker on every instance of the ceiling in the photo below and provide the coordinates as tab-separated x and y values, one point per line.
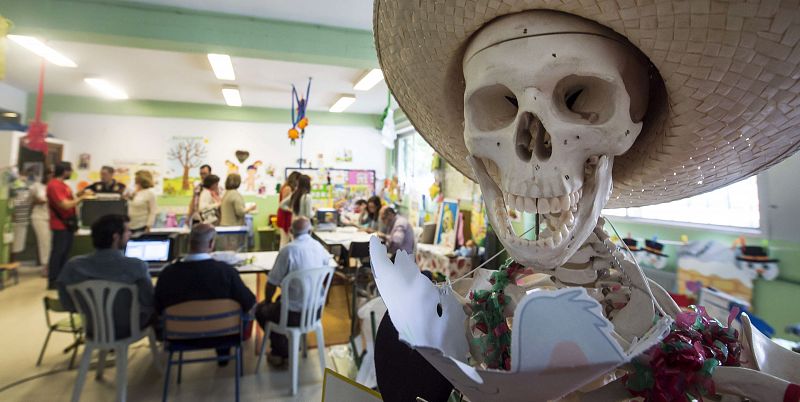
187	77
355	14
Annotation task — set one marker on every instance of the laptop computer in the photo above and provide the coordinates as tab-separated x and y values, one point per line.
156	251
327	219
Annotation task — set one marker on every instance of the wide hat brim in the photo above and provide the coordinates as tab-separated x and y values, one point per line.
730	72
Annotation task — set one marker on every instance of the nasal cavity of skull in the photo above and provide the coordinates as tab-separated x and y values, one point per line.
531	137
492	107
590	99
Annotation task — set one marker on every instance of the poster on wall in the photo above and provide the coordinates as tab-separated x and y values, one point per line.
333	187
446	224
84	161
185	155
125	171
729	270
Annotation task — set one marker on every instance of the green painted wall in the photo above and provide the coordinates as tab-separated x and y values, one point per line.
774	301
121	23
54	103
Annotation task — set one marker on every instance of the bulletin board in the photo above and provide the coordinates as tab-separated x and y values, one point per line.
331	187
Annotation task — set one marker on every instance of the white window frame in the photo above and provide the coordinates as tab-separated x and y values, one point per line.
759	232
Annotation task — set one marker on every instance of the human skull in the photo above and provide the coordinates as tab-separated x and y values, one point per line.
550	99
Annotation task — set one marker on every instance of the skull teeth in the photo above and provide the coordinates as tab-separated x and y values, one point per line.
552	205
558	213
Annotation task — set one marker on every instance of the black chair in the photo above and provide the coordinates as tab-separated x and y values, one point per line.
68	325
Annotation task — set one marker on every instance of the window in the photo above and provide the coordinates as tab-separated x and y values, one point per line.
414	159
734	205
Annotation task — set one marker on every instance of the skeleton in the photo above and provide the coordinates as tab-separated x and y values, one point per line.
550	100
542	129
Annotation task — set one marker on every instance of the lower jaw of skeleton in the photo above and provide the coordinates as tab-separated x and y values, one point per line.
563	232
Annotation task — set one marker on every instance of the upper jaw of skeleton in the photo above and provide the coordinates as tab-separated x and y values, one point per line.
565	220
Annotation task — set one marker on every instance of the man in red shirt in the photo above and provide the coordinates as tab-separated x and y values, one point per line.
63	219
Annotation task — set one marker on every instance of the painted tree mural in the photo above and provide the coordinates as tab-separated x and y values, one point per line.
189	152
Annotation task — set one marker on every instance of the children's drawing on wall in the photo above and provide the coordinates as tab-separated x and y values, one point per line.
755	261
345	155
84	161
727	269
652	255
125	172
251	178
446	224
231	167
184	156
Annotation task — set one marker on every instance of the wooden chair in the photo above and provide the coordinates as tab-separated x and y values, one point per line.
12	268
200	325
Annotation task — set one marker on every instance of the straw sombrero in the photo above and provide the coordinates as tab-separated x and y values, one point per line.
730	71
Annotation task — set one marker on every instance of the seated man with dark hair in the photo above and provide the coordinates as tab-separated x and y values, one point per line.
200	277
110	234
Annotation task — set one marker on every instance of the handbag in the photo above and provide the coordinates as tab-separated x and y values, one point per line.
70	223
209	215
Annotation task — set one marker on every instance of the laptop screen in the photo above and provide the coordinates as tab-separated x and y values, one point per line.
327	216
150	250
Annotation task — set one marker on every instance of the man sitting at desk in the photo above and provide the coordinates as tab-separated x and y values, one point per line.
200	277
302	253
106	185
398	234
110	233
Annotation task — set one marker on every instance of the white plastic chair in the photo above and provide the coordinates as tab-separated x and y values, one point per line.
313	285
94	300
370	315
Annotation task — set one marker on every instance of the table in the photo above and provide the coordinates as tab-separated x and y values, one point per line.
342	236
436	258
262	263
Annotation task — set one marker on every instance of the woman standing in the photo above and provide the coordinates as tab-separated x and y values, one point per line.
142	206
285	216
233	209
210	201
299	203
40	218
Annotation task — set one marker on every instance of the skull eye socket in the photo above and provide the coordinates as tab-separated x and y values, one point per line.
492	107
586	99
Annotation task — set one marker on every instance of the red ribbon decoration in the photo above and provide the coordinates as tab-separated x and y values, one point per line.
792	393
37	130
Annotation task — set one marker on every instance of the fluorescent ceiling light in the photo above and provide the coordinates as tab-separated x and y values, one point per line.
10	114
343	103
232	96
369	80
42	50
106	88
222	66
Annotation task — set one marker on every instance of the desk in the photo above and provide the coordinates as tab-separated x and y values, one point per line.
342	236
441	259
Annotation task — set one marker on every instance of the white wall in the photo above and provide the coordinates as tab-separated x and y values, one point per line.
779	195
13	99
110	139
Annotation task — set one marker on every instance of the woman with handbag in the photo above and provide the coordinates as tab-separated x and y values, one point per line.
210	200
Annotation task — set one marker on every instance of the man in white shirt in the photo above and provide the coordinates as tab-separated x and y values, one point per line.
302	253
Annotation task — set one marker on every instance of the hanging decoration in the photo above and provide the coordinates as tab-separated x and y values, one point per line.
299	118
37	130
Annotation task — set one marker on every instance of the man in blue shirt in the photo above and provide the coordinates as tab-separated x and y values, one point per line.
110	234
302	253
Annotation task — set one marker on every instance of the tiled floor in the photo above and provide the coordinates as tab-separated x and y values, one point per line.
22	333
